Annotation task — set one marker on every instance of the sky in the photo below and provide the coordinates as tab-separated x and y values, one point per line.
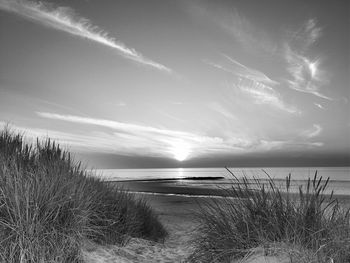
175	83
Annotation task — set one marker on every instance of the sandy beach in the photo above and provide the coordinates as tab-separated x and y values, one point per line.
176	213
178	191
175	206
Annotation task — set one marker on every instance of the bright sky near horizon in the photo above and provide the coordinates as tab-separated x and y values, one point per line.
165	83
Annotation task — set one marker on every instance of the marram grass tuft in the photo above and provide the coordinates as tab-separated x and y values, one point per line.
49	205
308	226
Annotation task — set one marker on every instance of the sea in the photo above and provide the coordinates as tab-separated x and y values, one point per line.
339	177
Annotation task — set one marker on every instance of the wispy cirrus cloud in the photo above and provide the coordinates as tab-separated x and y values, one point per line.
234	23
250	37
306	35
307	76
289	144
134	139
217	107
137	140
65	19
253	83
109	124
305	72
318	105
312	132
231	65
263	94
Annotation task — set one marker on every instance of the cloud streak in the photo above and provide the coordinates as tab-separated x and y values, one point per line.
64	19
132	139
217	107
263	94
254	83
235	24
306	74
137	140
231	65
250	73
319	106
120	126
313	132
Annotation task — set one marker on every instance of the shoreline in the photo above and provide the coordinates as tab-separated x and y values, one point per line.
177	190
176	206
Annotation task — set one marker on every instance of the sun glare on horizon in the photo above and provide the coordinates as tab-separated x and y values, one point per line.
180	151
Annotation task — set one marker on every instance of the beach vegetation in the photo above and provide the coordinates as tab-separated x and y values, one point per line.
306	225
49	205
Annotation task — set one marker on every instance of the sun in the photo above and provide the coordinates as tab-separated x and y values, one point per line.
180	151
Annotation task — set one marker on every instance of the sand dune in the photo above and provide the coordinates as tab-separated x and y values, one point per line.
176	214
176	247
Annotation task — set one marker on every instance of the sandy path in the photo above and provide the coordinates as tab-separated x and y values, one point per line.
176	247
176	214
177	219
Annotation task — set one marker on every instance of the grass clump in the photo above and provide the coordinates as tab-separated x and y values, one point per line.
307	226
49	205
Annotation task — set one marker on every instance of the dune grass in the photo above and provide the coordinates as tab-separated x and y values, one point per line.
307	226
49	205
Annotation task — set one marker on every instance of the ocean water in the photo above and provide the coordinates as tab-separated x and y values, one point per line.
339	176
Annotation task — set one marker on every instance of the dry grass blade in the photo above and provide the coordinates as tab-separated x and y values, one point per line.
49	205
306	221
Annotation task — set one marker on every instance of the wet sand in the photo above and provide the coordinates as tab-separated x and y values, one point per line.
174	192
